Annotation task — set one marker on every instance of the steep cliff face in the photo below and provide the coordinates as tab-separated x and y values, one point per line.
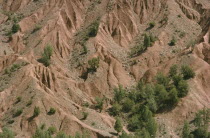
68	26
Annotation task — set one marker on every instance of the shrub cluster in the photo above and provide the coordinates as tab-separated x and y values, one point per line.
140	48
201	125
141	103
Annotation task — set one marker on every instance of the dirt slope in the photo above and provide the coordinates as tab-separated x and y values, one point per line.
64	24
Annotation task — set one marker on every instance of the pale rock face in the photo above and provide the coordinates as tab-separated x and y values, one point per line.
63	24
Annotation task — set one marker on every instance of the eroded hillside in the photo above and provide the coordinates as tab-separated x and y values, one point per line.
111	30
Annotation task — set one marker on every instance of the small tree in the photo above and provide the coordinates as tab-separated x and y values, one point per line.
187	72
118	125
94	64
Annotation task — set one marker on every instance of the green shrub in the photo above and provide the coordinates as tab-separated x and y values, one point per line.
36	111
41	134
36	28
19	98
52	130
62	135
152	105
11	121
6	71
134	123
187	72
176	79
46	56
152	24
52	111
85	115
6	133
118	125
172	42
18	113
15	28
94	64
29	102
186	130
86	104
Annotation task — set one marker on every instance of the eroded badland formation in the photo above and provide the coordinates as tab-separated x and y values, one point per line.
111	32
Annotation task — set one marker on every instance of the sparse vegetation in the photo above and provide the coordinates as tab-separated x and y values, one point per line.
29	102
6	133
46	56
140	48
19	98
15	67
90	31
85	115
18	113
118	125
52	130
11	121
99	103
36	28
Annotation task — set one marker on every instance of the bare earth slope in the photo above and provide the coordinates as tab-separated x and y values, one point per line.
64	24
